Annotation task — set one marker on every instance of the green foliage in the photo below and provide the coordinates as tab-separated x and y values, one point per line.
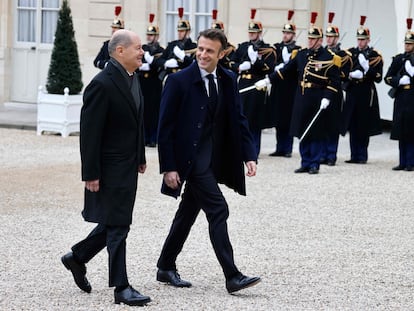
64	69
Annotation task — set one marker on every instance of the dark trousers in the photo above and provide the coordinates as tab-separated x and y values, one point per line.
284	141
201	192
310	153
330	147
406	153
359	146
257	139
114	238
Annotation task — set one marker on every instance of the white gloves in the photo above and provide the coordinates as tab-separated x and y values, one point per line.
404	80
324	103
245	66
363	62
280	66
179	53
263	84
145	67
409	68
171	63
356	74
252	54
148	57
285	55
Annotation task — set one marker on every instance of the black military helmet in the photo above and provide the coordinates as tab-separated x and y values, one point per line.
409	35
314	32
289	26
117	22
362	32
331	30
182	23
152	29
254	26
216	24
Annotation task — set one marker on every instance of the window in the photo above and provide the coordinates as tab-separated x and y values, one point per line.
198	12
36	20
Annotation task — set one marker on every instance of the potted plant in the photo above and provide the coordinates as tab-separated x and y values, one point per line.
58	109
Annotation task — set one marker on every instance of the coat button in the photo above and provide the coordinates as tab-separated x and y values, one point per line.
199	125
202	107
189	162
195	143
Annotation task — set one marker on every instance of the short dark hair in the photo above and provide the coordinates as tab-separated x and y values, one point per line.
214	34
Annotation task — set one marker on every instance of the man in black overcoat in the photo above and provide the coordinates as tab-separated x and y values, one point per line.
203	140
112	154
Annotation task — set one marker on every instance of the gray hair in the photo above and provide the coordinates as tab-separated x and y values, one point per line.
121	37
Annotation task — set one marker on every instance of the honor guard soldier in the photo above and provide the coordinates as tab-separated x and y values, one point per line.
282	95
252	60
319	83
361	108
400	77
150	84
333	112
103	56
230	49
179	53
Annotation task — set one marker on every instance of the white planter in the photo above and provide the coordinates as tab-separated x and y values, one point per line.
58	113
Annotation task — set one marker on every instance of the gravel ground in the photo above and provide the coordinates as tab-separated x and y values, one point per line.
339	240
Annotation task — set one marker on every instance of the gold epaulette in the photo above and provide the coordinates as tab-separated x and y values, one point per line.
230	48
294	53
375	60
337	61
266	52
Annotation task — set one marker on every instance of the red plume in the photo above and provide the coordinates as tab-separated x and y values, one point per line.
181	12
409	23
363	19
252	13
151	18
214	14
331	16
313	17
290	14
118	9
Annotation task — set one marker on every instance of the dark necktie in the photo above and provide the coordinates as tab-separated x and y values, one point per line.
212	93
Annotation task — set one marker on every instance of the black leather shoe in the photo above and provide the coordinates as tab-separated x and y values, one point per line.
313	170
131	297
280	154
240	282
409	169
352	161
398	168
171	277
78	271
302	170
330	163
323	161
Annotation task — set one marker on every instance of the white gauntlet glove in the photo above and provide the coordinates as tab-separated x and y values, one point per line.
404	80
263	84
148	57
245	66
179	53
252	54
144	67
409	68
356	74
280	66
286	55
363	62
171	63
324	103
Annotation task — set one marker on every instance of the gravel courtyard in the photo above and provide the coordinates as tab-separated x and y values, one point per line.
339	240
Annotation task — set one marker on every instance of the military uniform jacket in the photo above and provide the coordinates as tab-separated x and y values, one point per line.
189	48
103	56
318	74
403	114
282	95
111	147
254	101
361	106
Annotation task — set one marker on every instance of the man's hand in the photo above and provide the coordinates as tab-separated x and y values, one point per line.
363	62
409	68
263	84
148	57
142	168
145	67
171	63
245	66
356	74
252	54
324	103
286	55
172	179
92	185
179	53
251	168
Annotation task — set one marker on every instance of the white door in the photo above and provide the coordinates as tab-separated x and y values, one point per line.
35	26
